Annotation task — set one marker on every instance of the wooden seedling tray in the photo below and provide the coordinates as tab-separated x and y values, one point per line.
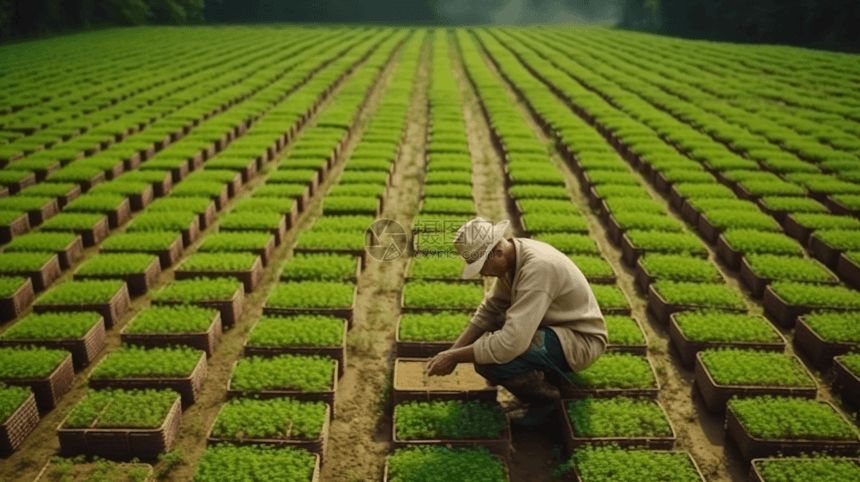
44	212
659	181
346	212
823	252
848	270
715	395
266	251
663	310
676	199
140	200
572	442
630	253
778	215
83	350
614	231
385	477
187	387
458	279
500	445
207	217
635	349
19	425
360	253
112	310
250	277
327	396
316	446
418	349
122	443
795	230
756	476
167	257
687	348
191	233
415	309
707	230
17	227
50	389
571	392
729	255
280	231
345	313
754	448
848	382
573	475
353	278
138	283
159	189
785	313
44	276
818	350
622	311
230	308
118	216
70	253
335	352
93	235
754	282
404	392
206	341
28	181
12	306
643	278
836	207
69	196
690	214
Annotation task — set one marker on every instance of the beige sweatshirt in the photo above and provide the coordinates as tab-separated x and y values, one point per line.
547	290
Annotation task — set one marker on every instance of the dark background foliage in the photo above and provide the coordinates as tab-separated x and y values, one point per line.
820	23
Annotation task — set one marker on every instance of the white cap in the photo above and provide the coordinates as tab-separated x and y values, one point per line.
475	240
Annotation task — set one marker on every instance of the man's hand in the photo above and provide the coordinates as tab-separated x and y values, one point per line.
445	362
441	364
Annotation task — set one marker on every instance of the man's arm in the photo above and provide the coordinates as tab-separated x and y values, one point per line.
490	314
469	335
523	319
501	346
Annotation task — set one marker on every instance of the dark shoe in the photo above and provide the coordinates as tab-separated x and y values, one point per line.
532	388
535	418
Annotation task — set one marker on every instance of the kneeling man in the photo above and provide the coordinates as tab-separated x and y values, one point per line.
540	318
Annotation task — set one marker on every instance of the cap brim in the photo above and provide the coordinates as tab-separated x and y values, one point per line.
471	270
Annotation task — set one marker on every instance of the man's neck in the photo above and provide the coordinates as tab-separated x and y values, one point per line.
512	258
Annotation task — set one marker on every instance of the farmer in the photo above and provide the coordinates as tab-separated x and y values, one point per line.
540	317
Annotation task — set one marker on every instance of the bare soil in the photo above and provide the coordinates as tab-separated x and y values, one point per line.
411	375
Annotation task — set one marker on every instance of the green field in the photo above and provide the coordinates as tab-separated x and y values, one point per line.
200	187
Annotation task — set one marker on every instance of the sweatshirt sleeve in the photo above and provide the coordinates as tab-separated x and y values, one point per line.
522	321
491	312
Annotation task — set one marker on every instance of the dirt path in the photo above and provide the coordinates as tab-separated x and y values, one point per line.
531	459
360	436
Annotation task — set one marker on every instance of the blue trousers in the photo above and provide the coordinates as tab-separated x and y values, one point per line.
544	354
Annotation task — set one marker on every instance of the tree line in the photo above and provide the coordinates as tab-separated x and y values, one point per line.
819	23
